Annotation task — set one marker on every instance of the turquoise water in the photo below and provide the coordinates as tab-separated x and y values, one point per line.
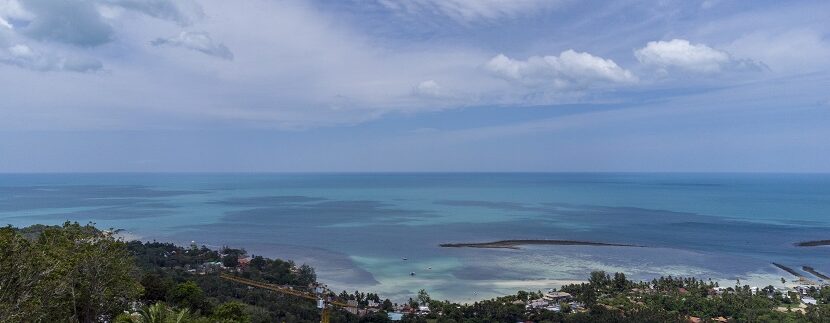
356	228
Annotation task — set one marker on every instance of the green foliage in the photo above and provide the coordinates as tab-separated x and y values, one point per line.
156	286
230	261
189	295
160	313
306	275
423	297
387	305
73	272
231	312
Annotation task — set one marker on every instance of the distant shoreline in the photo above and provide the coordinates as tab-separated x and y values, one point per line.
814	243
515	244
814	272
789	271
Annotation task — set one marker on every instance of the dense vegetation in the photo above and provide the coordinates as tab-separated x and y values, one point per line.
77	273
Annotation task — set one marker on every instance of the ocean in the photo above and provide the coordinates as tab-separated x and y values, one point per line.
356	229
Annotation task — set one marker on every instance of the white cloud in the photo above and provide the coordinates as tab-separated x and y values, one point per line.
12	9
683	55
569	69
184	12
795	50
709	4
470	10
296	66
87	23
296	69
429	89
198	41
23	56
66	21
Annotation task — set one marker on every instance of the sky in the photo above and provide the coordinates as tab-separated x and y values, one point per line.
414	85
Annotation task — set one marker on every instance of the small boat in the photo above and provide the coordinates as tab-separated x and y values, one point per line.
412	274
404	258
429	268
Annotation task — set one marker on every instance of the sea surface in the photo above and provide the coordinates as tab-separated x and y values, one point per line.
355	229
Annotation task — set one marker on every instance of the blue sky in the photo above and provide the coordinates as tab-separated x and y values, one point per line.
418	85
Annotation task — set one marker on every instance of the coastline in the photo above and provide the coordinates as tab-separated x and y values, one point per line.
813	243
515	244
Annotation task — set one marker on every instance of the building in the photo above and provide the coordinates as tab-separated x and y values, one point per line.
537	303
557	297
804	289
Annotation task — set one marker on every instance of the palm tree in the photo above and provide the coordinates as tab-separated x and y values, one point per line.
159	313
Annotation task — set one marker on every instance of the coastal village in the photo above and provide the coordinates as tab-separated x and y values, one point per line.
795	295
228	285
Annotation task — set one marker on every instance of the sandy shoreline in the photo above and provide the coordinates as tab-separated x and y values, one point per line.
814	243
515	244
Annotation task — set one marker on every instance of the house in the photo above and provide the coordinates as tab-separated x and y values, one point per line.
557	297
213	266
537	303
423	309
803	289
808	300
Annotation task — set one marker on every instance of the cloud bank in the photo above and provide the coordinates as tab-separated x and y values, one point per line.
470	10
299	65
25	57
198	41
682	55
568	69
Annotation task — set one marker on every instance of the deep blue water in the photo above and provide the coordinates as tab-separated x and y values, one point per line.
355	228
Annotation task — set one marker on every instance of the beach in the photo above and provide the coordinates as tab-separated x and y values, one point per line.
505	231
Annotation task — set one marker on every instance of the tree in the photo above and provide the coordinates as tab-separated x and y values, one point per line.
156	286
387	305
423	297
188	295
22	286
158	313
257	262
620	282
306	275
231	312
598	279
230	260
587	295
70	272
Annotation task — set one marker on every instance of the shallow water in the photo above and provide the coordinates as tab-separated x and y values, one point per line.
355	228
